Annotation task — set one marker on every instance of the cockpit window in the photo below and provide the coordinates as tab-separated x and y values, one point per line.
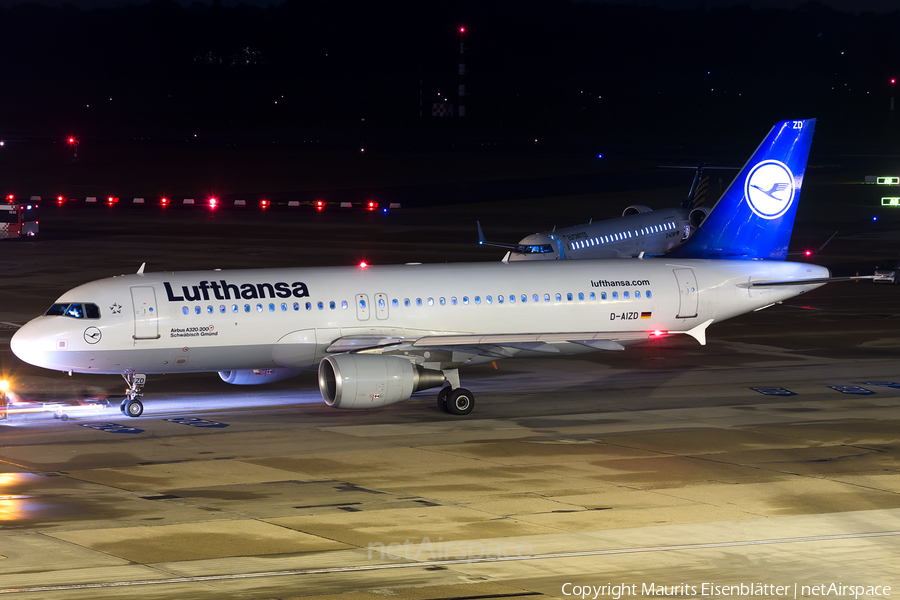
75	310
541	249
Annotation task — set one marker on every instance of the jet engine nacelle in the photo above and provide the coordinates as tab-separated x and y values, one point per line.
698	215
257	376
636	209
360	381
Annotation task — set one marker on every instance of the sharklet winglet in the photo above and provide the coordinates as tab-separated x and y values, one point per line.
699	332
141	270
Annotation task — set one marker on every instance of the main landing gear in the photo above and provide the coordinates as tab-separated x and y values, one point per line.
456	402
132	405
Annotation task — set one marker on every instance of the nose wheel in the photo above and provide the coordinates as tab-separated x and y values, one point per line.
132	408
132	405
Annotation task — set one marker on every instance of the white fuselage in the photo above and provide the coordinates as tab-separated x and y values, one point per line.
271	318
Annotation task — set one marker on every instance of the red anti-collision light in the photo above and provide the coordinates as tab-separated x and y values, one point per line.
363	264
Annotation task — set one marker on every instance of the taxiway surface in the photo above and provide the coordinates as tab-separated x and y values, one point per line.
672	465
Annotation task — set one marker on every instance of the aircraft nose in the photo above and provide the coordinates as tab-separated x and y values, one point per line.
26	343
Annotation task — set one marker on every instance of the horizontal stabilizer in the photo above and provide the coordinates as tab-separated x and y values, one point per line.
819	281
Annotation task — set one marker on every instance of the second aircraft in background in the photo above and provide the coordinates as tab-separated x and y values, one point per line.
639	231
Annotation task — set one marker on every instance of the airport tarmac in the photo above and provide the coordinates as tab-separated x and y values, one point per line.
768	457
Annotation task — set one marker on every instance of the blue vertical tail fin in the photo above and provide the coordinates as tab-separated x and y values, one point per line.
755	216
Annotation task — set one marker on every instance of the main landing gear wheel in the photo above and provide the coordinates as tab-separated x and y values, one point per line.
442	399
460	402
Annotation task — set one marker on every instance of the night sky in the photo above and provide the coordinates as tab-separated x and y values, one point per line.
548	68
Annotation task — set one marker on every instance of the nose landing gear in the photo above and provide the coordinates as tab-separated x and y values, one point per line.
132	405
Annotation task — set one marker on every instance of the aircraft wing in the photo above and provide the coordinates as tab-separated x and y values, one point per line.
491	344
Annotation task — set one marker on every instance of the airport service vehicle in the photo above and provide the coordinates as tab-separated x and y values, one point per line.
378	334
640	231
18	219
887	272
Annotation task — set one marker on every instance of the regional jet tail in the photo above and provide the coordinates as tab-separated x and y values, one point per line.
377	335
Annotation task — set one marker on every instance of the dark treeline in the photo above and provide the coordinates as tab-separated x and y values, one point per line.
551	68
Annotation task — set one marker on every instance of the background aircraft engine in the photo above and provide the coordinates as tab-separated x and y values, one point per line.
698	215
360	381
636	209
257	376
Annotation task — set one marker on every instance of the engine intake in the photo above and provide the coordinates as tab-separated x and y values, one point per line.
361	381
636	209
698	215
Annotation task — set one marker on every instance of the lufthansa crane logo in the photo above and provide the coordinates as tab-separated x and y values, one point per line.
92	335
769	189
